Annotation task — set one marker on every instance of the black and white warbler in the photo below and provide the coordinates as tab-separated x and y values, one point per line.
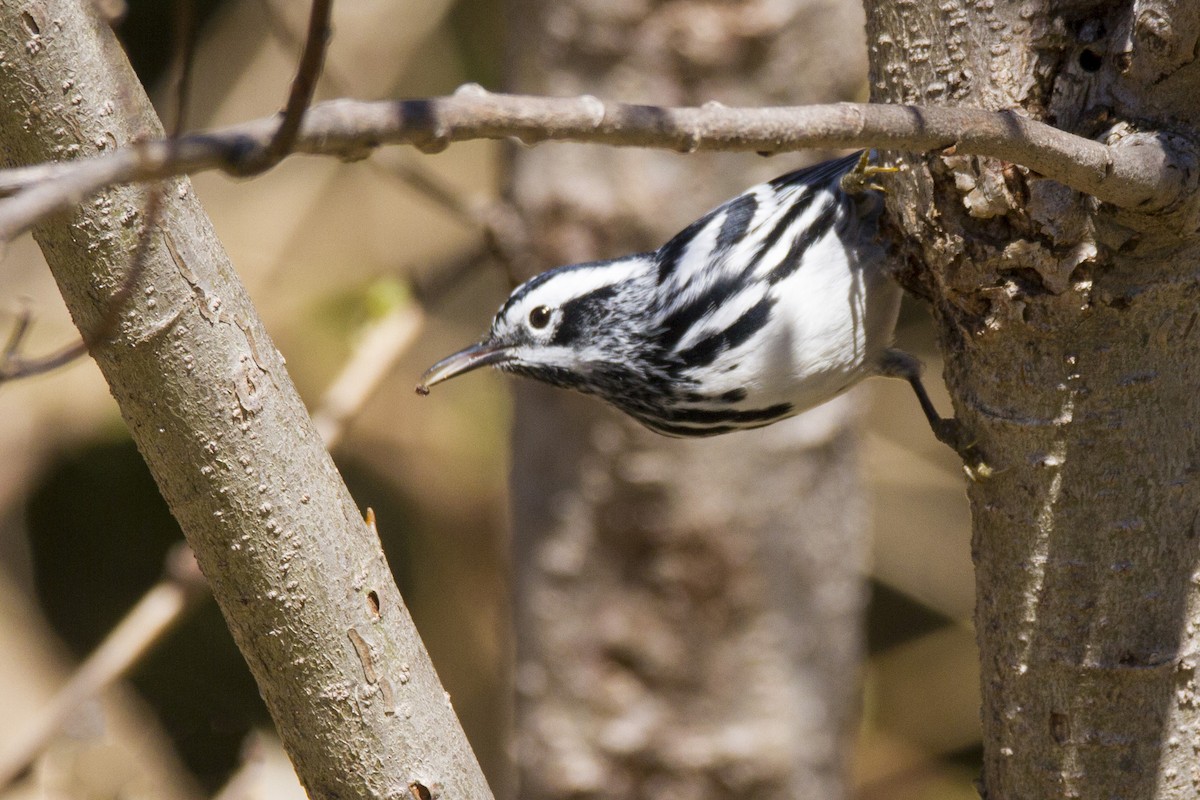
768	305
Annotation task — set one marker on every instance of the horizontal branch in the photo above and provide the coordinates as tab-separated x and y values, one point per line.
1135	172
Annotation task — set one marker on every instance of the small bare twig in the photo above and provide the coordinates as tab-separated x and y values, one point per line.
283	140
1137	171
14	366
185	50
158	612
503	228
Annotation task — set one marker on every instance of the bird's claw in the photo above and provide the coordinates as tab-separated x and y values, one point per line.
952	433
859	180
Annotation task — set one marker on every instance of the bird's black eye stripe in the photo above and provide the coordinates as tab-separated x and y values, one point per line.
583	313
539	317
522	291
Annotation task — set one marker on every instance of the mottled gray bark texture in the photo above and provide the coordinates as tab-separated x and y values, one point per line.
301	580
1069	332
688	612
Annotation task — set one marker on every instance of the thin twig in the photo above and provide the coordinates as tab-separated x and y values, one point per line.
1138	171
304	85
157	613
14	366
185	50
503	228
13	346
335	80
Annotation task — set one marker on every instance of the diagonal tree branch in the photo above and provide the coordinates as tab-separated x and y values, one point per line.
14	364
301	579
1144	171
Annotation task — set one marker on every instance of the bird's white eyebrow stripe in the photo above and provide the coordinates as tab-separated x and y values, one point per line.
602	274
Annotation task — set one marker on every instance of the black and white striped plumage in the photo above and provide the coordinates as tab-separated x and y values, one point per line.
766	306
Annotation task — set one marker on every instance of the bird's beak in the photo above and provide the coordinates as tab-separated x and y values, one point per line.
477	355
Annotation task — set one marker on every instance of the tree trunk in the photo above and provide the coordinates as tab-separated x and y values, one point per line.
688	613
1069	336
301	580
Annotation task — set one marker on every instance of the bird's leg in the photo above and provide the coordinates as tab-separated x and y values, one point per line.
948	430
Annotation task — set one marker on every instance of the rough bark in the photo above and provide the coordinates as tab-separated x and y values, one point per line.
301	580
1069	335
688	612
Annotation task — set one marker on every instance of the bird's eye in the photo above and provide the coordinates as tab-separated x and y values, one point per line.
539	317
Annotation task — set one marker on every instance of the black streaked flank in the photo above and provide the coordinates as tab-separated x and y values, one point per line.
705	351
808	236
795	210
686	430
707	416
738	215
670	254
676	324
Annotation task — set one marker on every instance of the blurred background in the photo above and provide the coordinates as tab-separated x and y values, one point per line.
387	260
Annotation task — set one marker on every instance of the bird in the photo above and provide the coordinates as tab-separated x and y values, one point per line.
770	304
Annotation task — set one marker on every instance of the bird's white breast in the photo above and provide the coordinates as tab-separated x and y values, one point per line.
831	320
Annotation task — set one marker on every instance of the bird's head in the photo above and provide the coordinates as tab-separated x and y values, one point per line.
574	326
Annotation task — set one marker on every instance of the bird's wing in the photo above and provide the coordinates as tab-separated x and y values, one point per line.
743	247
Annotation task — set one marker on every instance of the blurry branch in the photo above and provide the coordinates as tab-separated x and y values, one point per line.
504	229
379	346
383	342
264	774
14	365
157	613
1139	170
334	79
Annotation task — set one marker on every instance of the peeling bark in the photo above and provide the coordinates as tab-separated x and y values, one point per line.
1068	331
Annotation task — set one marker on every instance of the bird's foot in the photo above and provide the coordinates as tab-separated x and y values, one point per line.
950	432
861	179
